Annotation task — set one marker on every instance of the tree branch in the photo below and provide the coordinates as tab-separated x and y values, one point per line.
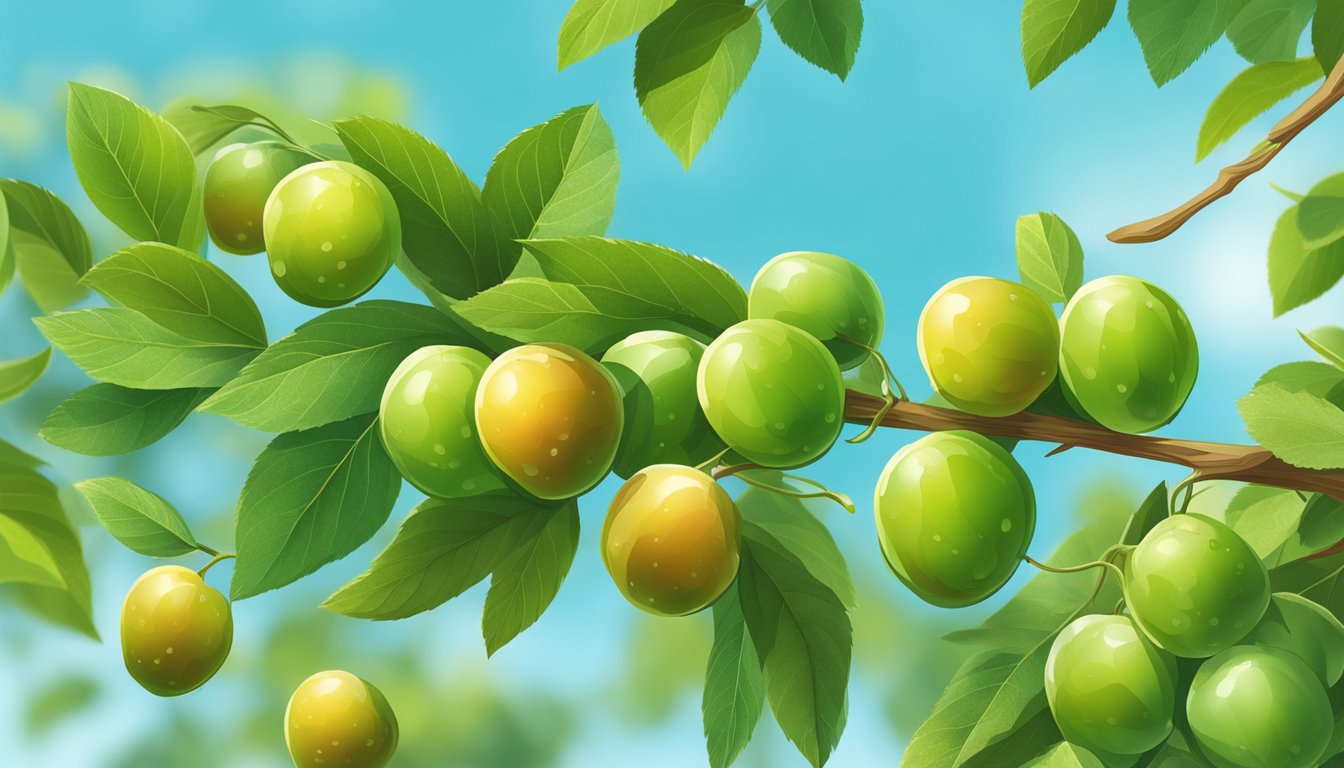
1214	461
1288	128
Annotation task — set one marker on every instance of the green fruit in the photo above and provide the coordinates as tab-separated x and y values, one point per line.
237	185
663	420
1127	353
176	631
671	540
772	392
1110	689
990	347
1306	629
825	295
1195	586
332	231
337	719
1253	707
955	513
550	418
428	424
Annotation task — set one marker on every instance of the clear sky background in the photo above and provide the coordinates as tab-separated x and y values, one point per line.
916	168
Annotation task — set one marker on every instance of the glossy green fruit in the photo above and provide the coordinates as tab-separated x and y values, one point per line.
337	719
176	630
955	513
237	184
428	424
550	418
671	540
1127	353
990	347
825	295
1306	629
1109	688
663	420
1253	707
1195	586
332	231
772	392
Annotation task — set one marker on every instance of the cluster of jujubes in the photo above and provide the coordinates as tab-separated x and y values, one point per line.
329	228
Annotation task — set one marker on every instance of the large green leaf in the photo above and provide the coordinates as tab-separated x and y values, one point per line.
205	126
1328	342
1322	523
444	547
332	367
122	346
141	520
533	309
825	32
1327	32
526	580
1321	213
135	166
1298	274
1269	30
1066	755
1319	378
1049	256
312	497
556	179
688	64
16	376
108	420
49	246
1054	30
1302	428
793	523
446	231
803	635
592	25
38	546
1174	33
1267	518
181	291
1250	94
734	695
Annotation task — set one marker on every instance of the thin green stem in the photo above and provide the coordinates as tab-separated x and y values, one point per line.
1186	485
728	470
712	461
822	493
219	557
888	379
207	550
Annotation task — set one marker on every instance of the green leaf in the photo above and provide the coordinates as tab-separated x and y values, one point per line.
1268	30
1302	428
1298	274
1321	213
1267	518
1176	752
1049	256
1054	30
734	694
108	420
1066	755
446	231
333	367
13	458
122	346
592	25
1328	342
16	376
803	635
181	291
445	547
825	32
793	523
6	255
1319	378
205	126
57	701
38	546
1327	32
556	179
528	578
1322	523
312	497
688	64
141	520
1174	33
50	248
1250	94
135	166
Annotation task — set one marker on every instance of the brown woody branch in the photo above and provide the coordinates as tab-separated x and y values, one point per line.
1213	461
1288	128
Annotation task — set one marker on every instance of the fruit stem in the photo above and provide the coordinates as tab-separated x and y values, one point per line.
712	462
219	557
1187	485
888	378
824	493
728	470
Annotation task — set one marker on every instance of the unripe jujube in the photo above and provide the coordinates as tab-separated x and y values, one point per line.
176	630
237	184
337	719
824	295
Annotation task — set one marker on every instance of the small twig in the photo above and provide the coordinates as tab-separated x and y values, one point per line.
1062	447
1310	110
213	561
